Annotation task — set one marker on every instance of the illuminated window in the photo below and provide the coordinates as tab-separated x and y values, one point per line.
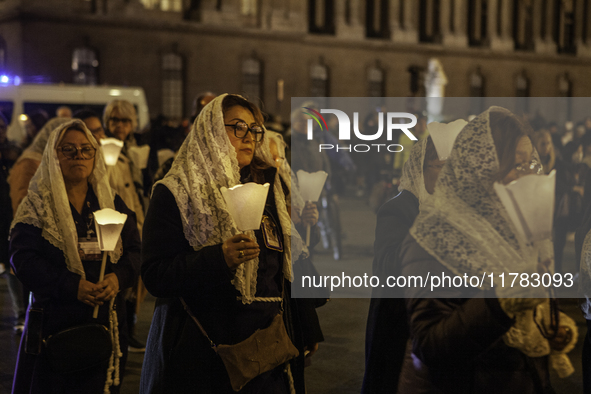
375	80
172	86
319	81
163	5
85	66
252	78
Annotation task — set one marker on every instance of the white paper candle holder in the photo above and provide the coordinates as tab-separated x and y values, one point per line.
163	155
529	201
246	204
444	136
139	156
111	149
109	224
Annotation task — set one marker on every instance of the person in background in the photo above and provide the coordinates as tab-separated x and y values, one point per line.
18	180
63	112
93	121
419	131
120	119
33	125
387	328
62	274
570	188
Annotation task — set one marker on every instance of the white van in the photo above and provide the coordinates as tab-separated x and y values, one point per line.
18	100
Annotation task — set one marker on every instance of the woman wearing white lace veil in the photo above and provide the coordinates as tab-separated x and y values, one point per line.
482	344
387	329
54	253
193	249
27	163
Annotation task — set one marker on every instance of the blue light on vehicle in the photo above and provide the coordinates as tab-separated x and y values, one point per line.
17	80
4	79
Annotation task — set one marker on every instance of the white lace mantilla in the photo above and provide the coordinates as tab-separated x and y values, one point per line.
412	178
205	162
47	207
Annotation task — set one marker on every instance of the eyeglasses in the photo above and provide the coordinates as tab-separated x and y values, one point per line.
533	167
241	129
124	121
71	151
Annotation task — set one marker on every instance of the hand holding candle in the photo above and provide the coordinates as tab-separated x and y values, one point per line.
310	185
109	224
246	204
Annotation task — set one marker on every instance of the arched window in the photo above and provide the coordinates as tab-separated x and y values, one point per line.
319	80
477	91
522	93
321	16
85	66
429	21
521	85
376	19
375	81
252	78
478	22
172	86
564	85
564	26
523	25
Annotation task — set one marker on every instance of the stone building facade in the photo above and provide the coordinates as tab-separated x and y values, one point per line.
276	49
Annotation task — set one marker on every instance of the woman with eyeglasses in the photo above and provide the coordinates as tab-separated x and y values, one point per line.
475	339
120	119
55	253
193	253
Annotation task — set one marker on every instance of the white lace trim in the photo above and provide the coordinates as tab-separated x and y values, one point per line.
205	162
464	224
46	205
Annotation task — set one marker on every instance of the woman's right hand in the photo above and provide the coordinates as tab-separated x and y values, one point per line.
87	292
239	249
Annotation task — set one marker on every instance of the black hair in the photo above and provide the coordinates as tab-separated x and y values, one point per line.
86	113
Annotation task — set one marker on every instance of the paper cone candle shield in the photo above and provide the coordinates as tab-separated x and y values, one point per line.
139	156
246	204
109	224
311	184
530	204
163	155
444	135
111	149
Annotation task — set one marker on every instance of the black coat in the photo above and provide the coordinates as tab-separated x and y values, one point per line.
41	267
179	358
387	329
457	344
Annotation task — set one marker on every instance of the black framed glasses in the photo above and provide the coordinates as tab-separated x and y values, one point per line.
241	129
124	121
71	151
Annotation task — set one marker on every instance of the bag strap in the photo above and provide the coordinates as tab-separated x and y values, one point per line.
211	343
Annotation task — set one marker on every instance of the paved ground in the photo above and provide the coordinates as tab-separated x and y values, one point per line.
338	365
